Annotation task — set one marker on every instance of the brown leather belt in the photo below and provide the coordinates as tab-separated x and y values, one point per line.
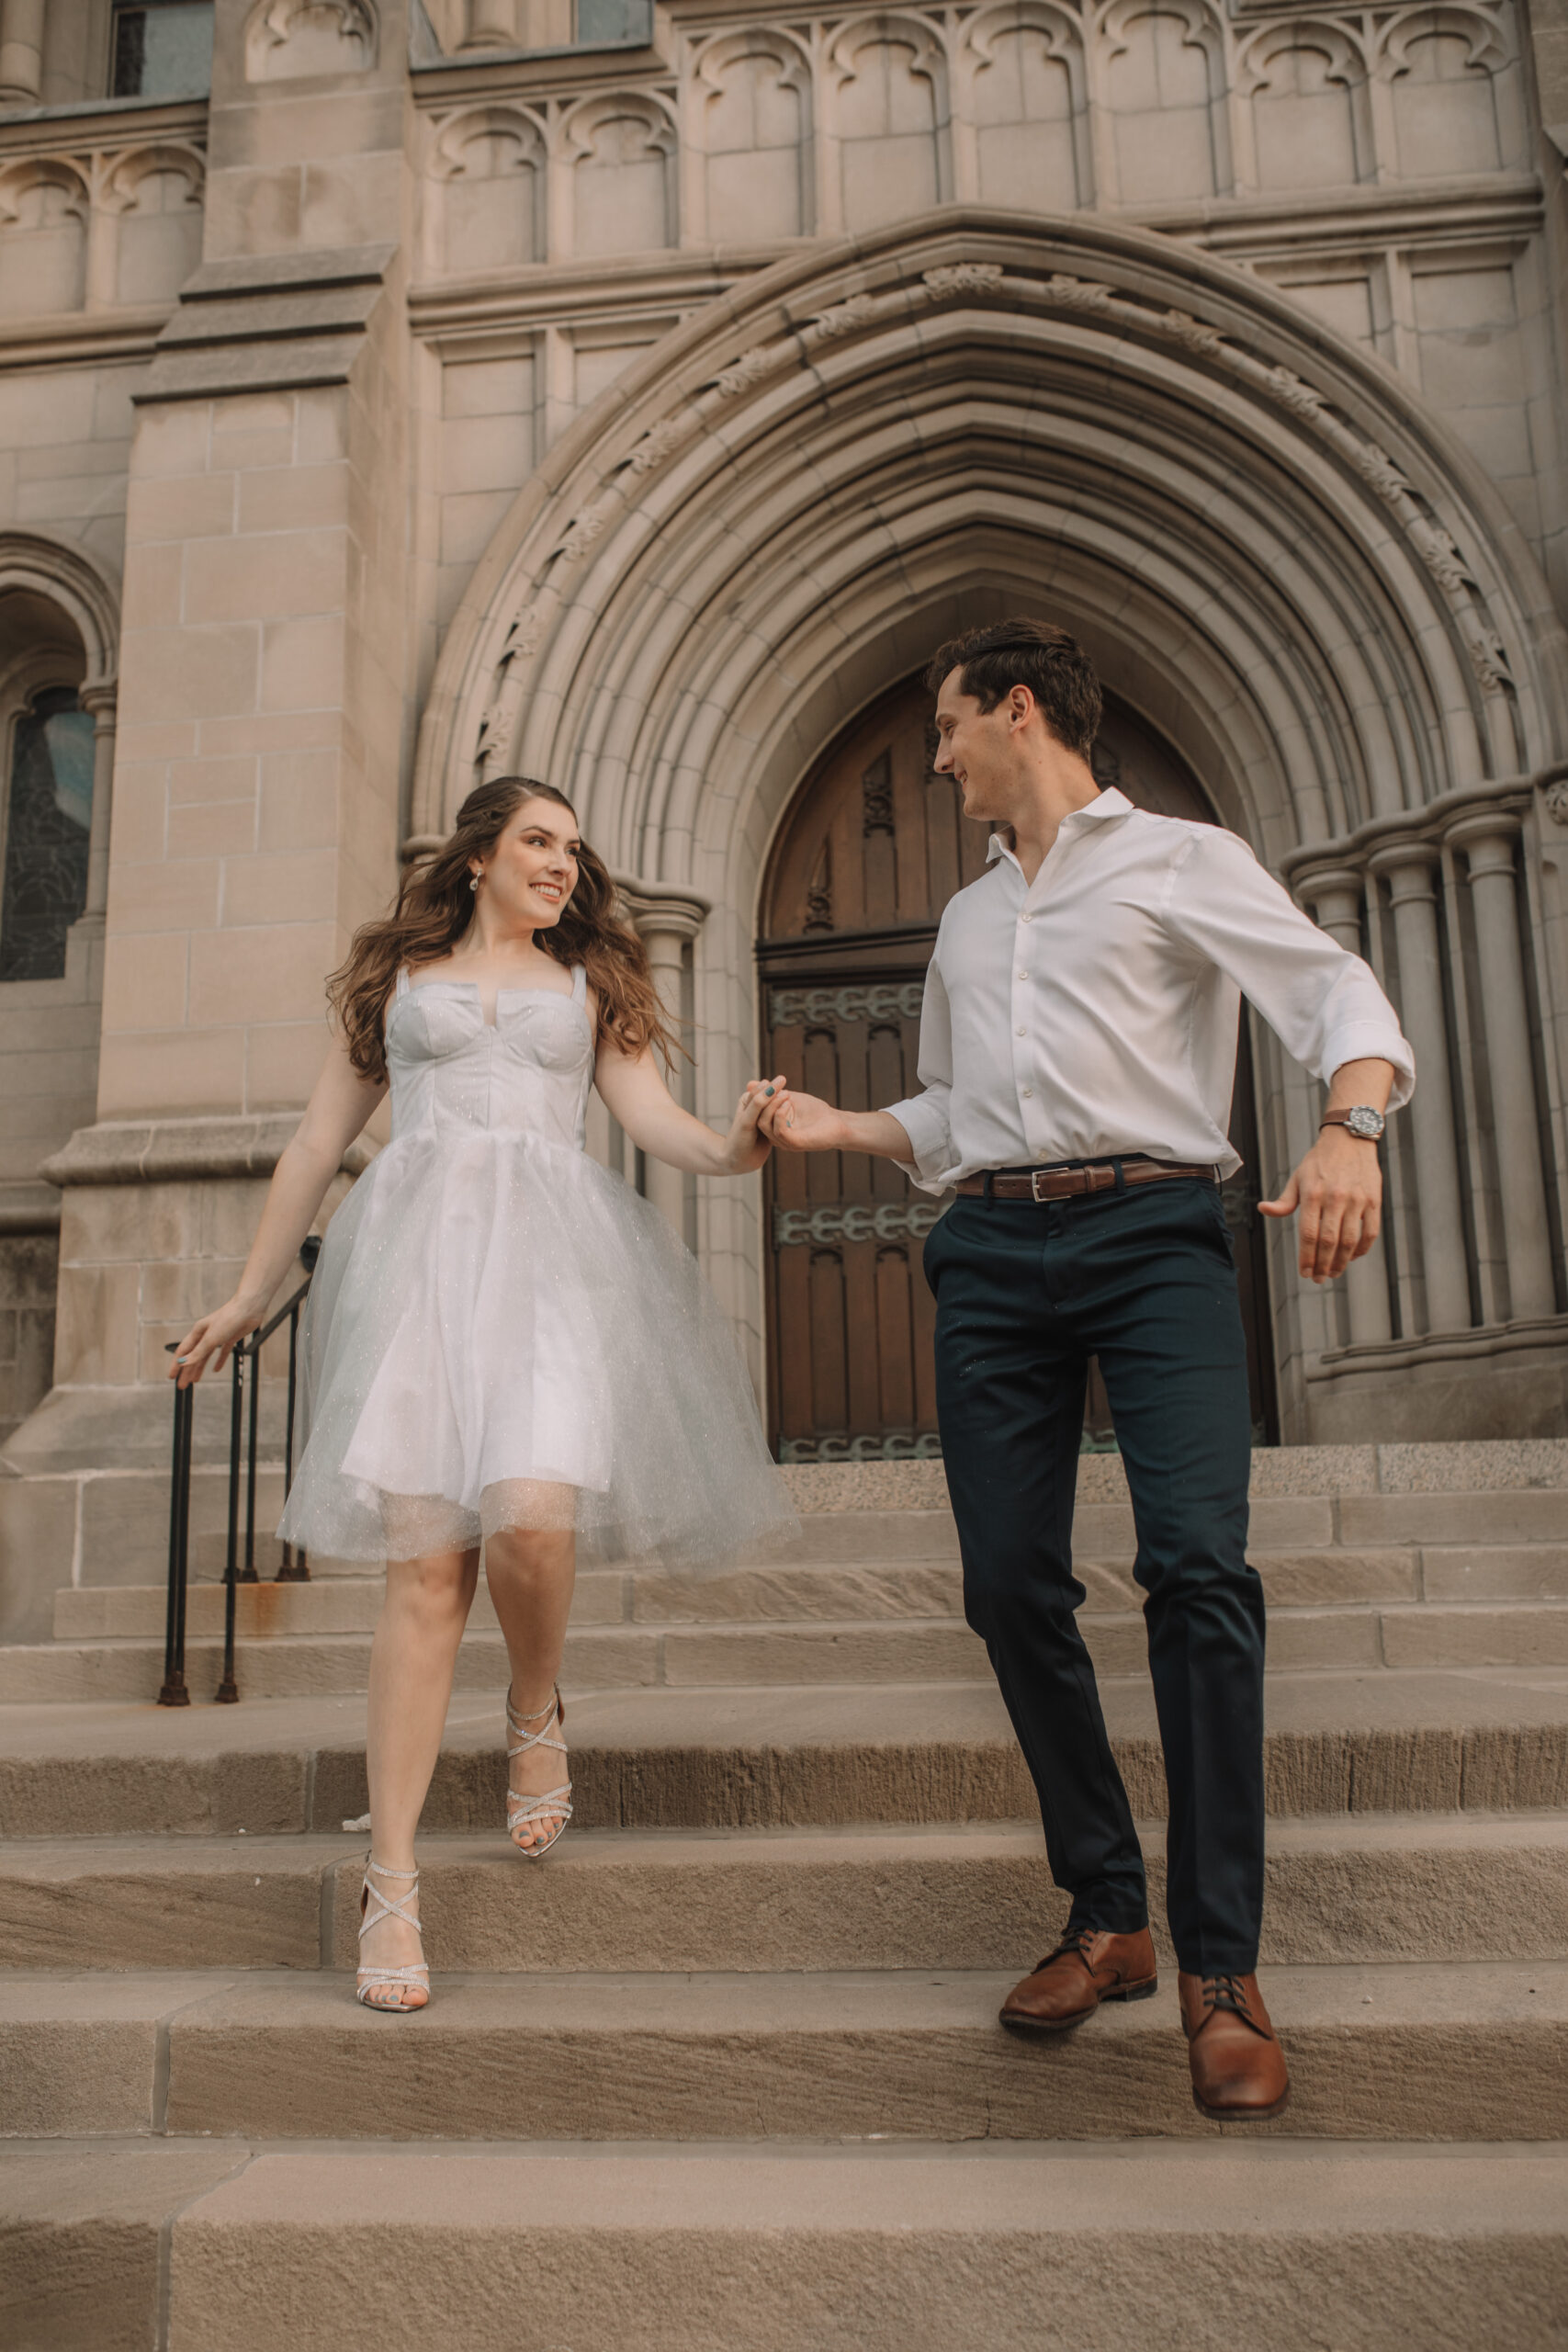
1071	1183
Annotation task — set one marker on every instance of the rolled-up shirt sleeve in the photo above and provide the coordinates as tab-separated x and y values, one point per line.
1322	1003
927	1118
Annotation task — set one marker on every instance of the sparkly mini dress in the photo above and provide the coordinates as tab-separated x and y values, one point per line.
501	1333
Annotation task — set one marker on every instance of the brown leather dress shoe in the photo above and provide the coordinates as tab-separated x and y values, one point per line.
1239	2067
1087	1967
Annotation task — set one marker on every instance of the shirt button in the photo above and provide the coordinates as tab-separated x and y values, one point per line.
1023	975
1023	1033
1026	917
1029	1093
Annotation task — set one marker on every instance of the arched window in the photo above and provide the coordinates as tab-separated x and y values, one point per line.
48	824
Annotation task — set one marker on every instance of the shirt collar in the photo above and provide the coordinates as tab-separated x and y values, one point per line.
1111	803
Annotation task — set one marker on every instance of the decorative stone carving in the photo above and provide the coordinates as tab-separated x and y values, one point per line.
845	318
586	529
963	277
287	40
1077	294
749	369
1303	399
885	1001
1191	332
926	1447
1489	659
1556	799
854	1221
662	443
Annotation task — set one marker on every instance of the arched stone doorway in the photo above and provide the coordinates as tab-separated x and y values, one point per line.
1278	554
868	854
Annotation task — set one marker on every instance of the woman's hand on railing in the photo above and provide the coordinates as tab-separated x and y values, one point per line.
212	1341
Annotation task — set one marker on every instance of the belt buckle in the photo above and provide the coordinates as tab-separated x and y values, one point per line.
1036	1194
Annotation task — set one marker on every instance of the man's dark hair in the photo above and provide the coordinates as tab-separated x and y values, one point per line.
1036	654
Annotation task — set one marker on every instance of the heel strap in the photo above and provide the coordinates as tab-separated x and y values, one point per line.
521	1739
393	1907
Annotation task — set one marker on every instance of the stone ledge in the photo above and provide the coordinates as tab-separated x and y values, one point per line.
1466	1466
164	1151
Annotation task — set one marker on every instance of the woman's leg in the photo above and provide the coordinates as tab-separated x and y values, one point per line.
413	1659
530	1571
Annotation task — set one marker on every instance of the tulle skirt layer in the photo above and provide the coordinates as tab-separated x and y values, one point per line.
501	1334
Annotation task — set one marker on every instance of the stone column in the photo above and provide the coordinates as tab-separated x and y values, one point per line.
1336	906
666	918
100	701
21	51
1410	866
1488	842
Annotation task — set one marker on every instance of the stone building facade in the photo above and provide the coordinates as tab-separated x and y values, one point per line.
391	395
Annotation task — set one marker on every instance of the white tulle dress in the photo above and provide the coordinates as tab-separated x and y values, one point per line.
502	1333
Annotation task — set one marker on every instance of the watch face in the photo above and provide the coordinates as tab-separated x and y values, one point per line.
1368	1124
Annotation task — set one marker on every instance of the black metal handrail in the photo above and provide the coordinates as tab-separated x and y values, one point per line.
243	1434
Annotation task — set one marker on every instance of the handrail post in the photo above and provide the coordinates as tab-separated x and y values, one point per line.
294	1567
228	1688
173	1693
249	1574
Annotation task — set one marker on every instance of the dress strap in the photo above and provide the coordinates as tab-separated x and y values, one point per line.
402	987
579	984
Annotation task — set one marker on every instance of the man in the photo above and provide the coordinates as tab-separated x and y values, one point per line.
1077	1053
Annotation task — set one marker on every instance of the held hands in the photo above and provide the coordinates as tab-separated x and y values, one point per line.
1338	1190
211	1340
802	1121
745	1146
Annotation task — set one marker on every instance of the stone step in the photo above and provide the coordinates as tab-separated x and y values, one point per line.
793	1593
1015	2246
881	1649
1467	2052
1383	1741
1367	1887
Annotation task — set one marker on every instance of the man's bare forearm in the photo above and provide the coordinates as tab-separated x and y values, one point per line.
877	1132
1370	1081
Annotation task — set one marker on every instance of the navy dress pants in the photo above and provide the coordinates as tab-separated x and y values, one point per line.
1144	1280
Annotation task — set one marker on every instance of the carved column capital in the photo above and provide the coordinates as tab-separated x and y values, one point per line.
662	907
1408	867
1487	838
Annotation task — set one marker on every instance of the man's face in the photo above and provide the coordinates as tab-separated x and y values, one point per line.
975	747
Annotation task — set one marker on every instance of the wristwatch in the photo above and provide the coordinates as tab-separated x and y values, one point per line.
1362	1121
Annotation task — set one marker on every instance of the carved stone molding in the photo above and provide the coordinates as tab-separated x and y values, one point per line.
854	1221
886	1001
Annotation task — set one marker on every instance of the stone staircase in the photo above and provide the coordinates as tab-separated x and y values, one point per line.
725	2075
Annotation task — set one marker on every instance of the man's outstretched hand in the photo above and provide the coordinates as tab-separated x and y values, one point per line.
805	1123
802	1122
1338	1190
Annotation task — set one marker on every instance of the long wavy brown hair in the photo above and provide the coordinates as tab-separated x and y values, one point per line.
435	907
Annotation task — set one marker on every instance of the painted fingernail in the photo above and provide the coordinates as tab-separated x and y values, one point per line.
767	1090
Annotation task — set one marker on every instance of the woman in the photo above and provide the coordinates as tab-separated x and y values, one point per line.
502	1342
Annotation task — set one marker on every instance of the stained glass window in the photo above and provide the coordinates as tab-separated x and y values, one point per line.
49	818
162	50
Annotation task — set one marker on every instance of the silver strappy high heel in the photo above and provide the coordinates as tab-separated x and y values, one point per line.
366	1978
552	1806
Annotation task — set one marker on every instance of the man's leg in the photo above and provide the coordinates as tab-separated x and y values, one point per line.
1154	1281
1010	1399
1154	1289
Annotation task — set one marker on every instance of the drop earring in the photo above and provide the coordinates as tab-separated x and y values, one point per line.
473	881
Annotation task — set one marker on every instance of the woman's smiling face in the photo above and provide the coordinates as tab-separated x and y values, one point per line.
532	870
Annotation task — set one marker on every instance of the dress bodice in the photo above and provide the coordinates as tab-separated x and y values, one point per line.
528	1071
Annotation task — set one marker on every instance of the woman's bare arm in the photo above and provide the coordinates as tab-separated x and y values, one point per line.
341	1101
634	1092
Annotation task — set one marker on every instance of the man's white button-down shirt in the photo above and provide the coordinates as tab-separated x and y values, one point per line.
1094	1012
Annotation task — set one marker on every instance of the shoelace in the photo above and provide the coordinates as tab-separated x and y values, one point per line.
1226	1992
1074	1944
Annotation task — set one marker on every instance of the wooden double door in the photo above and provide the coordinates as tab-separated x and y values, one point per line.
870	855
